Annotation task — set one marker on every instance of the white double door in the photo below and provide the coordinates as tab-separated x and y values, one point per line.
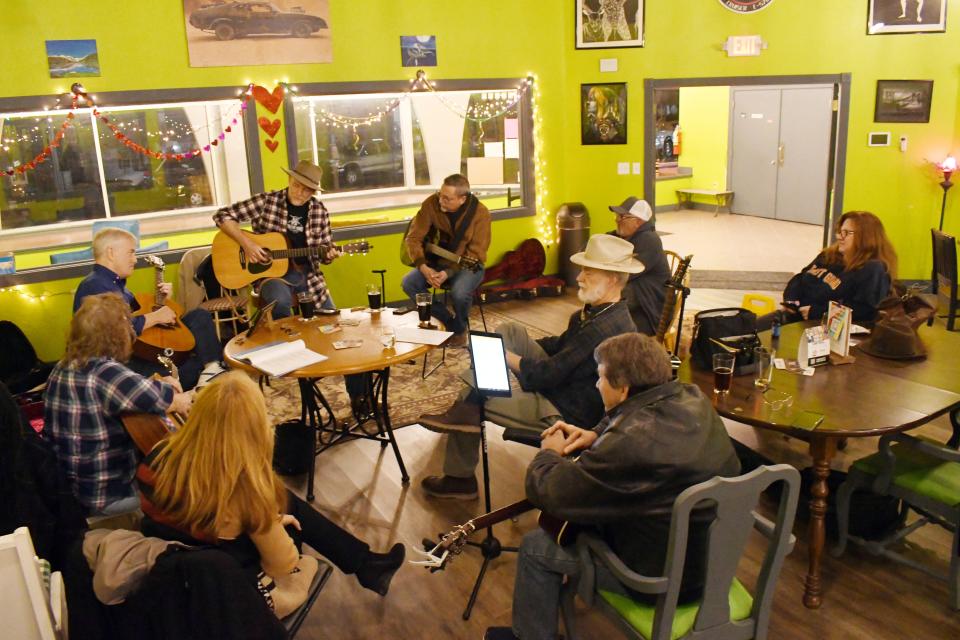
780	152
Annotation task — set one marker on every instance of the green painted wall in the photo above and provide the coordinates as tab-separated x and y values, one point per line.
704	122
142	46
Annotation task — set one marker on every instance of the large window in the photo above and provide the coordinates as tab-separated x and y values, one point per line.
398	146
92	174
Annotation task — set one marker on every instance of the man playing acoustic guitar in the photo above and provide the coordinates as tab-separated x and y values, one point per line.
658	437
114	256
462	226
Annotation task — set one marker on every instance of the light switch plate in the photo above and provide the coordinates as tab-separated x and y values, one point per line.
636	168
623	168
608	65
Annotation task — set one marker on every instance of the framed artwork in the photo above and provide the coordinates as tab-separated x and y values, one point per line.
72	58
906	16
257	32
903	101
745	6
418	51
603	113
609	24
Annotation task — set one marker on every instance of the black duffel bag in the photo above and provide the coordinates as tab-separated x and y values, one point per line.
730	330
293	445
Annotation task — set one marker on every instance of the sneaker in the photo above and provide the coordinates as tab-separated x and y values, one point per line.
499	633
450	487
461	417
211	371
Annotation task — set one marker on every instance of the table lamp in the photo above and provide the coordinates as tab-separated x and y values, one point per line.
947	166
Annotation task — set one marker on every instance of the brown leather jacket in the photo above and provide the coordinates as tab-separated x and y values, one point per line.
475	241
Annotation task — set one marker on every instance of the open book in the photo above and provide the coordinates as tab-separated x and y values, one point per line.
280	358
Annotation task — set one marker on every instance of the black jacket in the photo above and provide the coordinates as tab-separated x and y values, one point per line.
645	291
650	448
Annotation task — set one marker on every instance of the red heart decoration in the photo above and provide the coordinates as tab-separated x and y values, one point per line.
227	129
214	142
271	144
270	127
270	101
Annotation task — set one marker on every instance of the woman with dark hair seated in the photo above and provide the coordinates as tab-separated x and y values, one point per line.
212	482
856	271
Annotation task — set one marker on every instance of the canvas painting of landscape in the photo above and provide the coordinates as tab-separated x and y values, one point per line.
73	58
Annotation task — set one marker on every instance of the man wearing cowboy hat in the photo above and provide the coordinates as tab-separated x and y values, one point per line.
645	292
557	374
295	213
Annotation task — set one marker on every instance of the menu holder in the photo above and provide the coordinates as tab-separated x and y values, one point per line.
814	348
839	323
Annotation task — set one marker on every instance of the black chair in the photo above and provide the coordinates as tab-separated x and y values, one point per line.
945	274
20	368
445	292
293	621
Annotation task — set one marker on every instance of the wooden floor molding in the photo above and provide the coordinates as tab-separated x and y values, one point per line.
358	486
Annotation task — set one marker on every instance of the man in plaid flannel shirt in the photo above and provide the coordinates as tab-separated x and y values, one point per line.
87	393
303	219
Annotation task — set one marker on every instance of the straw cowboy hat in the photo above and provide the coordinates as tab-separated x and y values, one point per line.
306	173
608	253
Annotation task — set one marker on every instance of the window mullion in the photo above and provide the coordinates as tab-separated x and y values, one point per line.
100	169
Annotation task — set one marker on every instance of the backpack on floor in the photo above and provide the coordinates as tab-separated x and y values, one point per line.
294	442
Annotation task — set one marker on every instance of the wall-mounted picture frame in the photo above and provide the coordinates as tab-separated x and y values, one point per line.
418	51
609	24
906	16
903	101
73	58
603	113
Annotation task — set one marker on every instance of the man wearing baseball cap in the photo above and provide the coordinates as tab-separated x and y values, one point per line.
557	374
645	291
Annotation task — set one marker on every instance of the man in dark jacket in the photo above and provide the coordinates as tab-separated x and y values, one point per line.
645	291
557	374
658	437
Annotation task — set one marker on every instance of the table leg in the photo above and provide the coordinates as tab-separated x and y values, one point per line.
954	441
822	450
381	412
309	409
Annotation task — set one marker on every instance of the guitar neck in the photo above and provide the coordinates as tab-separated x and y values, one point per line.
675	284
440	252
303	252
501	514
157	281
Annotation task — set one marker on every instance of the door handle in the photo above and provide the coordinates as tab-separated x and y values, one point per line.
780	154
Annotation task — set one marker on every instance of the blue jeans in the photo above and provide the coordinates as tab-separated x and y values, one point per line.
206	350
282	292
541	566
461	287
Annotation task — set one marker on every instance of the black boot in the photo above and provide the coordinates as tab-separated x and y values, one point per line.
377	570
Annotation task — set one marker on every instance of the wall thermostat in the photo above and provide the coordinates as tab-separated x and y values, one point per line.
879	139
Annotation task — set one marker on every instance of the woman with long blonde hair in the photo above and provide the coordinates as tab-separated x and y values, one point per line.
86	394
856	271
213	482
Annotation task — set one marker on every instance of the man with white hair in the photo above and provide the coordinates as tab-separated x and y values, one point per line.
114	256
557	374
645	292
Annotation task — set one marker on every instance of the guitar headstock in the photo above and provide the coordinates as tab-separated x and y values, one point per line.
450	544
471	264
154	261
360	247
166	361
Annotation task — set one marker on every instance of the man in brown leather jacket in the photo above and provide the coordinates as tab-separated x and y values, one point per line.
455	220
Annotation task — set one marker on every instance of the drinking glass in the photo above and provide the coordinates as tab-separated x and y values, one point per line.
374	297
388	337
305	301
764	360
722	372
424	302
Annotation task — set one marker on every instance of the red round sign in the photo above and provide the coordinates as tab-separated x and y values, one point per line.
745	6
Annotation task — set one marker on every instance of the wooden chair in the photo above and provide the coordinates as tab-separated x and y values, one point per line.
727	610
945	274
925	475
198	289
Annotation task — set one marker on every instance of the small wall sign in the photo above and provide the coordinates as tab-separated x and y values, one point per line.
745	6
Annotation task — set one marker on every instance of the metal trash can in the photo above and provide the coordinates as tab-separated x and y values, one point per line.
573	228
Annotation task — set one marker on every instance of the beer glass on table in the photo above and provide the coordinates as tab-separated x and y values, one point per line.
722	372
374	297
305	302
424	305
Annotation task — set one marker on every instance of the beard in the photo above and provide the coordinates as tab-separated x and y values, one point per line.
589	294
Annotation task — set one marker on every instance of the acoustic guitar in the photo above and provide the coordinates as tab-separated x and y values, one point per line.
452	542
235	271
172	340
466	262
147	429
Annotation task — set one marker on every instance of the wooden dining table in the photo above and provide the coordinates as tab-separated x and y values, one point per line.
369	358
868	397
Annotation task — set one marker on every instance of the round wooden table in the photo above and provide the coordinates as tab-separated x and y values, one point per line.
371	358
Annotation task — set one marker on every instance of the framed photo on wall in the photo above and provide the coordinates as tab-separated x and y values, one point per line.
906	16
609	24
903	101
603	113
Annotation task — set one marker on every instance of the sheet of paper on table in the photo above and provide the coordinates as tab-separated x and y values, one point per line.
416	335
280	358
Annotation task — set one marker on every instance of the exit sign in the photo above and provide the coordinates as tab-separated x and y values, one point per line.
744	46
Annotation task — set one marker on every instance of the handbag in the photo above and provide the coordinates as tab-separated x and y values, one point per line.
730	330
899	315
293	446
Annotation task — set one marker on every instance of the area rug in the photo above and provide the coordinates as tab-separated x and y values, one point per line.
410	394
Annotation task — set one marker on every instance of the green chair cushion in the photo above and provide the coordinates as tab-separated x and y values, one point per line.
918	472
640	615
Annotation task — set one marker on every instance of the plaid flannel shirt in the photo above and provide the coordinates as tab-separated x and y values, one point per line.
568	377
267	212
82	410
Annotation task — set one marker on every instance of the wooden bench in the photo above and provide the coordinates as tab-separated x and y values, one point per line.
685	198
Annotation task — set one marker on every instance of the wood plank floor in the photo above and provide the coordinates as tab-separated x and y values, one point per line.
358	486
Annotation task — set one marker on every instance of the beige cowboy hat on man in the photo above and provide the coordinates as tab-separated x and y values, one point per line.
608	253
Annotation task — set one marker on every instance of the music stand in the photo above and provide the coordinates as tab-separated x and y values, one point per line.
488	359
